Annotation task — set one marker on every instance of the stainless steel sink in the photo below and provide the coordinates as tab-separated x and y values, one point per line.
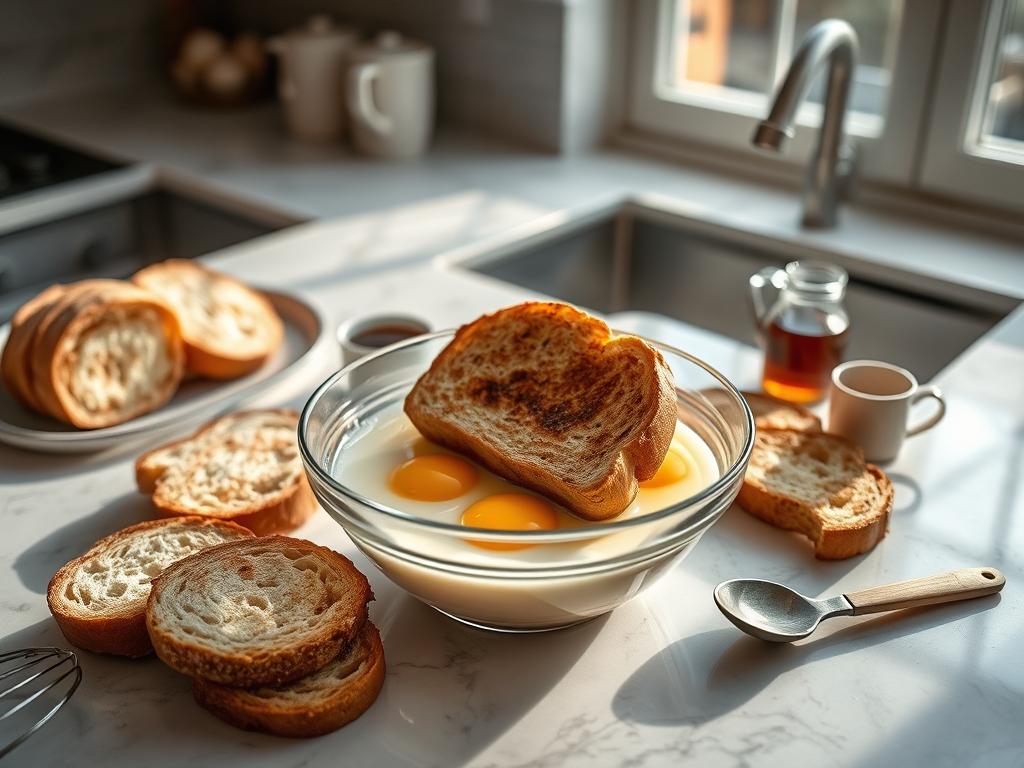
632	256
145	222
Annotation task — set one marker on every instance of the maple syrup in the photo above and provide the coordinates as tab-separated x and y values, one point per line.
798	367
804	332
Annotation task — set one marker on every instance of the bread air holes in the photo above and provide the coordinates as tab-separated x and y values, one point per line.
152	569
117	589
257	601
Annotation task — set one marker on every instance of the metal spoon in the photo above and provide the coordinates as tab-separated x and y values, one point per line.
776	613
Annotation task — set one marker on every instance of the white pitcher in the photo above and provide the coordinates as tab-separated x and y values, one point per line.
391	96
311	83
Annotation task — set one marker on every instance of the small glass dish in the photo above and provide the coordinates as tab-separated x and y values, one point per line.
571	574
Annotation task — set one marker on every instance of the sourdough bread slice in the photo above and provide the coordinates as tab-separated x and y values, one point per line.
262	611
104	353
331	697
245	468
548	397
99	599
771	413
229	328
240	427
819	485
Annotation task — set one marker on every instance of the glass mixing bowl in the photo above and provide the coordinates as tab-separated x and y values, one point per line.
569	575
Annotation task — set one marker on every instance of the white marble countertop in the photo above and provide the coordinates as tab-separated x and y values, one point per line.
664	680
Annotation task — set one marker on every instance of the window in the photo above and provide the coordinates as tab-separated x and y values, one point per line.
737	51
704	70
1001	120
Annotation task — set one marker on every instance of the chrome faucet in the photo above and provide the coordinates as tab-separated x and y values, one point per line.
832	41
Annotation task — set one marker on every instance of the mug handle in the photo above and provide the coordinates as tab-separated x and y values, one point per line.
360	99
936	394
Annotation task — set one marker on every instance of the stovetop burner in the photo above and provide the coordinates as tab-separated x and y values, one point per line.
29	163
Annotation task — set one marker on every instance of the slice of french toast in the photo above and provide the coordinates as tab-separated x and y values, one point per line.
548	397
819	485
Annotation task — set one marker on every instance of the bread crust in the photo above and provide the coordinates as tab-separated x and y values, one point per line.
280	513
121	632
248	709
772	413
263	664
277	513
832	541
639	452
207	355
78	309
15	364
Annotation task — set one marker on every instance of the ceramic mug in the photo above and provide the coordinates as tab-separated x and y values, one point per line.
391	96
368	333
870	404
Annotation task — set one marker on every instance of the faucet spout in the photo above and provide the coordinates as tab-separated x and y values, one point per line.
833	43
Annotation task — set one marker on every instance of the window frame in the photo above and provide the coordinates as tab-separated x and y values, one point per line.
890	156
947	166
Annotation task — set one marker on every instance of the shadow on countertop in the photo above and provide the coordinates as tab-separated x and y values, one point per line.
37	564
698	679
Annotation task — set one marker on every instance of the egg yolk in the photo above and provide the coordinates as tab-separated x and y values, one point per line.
673	469
510	512
433	477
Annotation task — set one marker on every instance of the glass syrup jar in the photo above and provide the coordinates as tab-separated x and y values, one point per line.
804	330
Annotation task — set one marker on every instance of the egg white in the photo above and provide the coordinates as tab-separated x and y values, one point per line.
388	439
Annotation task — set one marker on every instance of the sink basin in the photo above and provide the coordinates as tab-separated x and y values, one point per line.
633	257
117	237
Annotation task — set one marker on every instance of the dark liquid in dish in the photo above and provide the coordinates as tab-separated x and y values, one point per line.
383	335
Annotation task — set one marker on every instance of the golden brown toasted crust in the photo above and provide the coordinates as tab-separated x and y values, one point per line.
772	413
289	712
862	488
15	364
546	396
269	658
280	513
146	474
80	307
206	354
273	512
121	631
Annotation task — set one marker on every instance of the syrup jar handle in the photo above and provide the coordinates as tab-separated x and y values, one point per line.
759	281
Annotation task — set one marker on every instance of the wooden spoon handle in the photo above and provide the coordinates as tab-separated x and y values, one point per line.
961	584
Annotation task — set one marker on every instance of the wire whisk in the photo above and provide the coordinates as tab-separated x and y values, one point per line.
35	680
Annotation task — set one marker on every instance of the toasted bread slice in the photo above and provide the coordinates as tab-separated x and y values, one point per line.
16	364
262	611
239	426
818	484
771	413
244	468
229	329
314	705
548	397
104	353
99	599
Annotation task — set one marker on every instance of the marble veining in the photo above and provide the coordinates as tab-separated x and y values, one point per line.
665	680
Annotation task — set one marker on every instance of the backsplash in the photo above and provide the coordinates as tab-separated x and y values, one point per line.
499	61
51	48
502	64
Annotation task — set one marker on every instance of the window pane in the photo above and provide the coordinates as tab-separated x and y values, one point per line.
746	45
1003	123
